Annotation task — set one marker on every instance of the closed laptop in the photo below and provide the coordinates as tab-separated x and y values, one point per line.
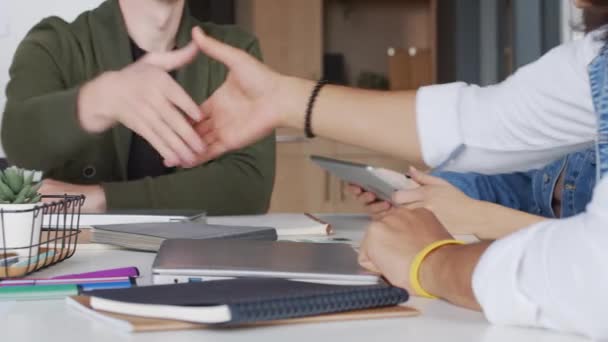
180	261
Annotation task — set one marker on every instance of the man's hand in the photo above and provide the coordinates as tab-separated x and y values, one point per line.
243	110
144	98
95	196
391	244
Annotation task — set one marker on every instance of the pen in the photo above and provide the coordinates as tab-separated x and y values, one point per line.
77	281
50	292
131	272
104	286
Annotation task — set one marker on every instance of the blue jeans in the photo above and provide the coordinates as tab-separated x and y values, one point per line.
532	191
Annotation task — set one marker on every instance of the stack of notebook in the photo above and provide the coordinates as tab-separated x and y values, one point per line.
149	236
239	302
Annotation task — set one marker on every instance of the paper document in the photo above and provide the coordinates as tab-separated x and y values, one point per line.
285	224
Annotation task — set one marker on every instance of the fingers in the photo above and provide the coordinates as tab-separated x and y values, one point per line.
416	205
174	59
164	129
183	101
170	157
424	178
226	54
366	263
212	152
207	107
207	131
379	208
174	119
211	138
205	127
364	259
409	196
366	198
354	190
374	206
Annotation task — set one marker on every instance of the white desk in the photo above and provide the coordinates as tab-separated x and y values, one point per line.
53	321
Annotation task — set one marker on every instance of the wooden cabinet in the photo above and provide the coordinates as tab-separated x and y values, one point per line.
295	35
290	33
300	185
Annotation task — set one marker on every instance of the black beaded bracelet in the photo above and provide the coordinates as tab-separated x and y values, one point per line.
311	104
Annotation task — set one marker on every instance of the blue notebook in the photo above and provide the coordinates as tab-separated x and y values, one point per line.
243	301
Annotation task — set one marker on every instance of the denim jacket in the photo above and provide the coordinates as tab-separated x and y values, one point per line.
532	191
598	76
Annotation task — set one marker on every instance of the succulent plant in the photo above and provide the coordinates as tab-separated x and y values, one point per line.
20	186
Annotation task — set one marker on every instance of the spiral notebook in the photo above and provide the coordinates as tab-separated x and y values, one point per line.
243	301
136	324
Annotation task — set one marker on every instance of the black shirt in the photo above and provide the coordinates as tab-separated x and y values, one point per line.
144	160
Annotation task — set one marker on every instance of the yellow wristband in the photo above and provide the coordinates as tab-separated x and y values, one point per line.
417	263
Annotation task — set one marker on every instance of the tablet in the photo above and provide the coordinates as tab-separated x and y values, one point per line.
382	182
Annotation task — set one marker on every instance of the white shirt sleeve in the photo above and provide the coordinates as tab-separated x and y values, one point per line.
536	116
552	275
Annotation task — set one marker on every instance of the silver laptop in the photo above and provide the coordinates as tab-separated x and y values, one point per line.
180	261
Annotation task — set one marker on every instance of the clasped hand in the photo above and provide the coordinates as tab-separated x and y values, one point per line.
145	98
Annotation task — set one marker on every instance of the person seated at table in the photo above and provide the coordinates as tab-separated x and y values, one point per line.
493	206
90	102
550	275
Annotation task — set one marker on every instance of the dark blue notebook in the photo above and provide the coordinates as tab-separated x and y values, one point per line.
244	301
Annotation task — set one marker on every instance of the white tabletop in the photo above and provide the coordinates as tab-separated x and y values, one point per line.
54	321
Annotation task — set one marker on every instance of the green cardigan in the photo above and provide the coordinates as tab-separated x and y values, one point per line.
40	129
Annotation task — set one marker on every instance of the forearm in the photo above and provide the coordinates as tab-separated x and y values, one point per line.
43	132
448	273
357	117
494	221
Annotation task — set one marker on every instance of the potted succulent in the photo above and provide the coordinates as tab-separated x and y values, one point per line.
20	223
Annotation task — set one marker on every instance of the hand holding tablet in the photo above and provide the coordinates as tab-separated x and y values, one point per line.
382	182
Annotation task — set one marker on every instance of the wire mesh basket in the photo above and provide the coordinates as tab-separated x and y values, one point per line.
36	236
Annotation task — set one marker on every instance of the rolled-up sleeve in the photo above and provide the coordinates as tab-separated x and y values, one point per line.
552	275
536	116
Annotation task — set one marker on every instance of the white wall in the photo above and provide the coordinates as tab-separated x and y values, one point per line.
18	16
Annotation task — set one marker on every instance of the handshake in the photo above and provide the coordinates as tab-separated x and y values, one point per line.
147	100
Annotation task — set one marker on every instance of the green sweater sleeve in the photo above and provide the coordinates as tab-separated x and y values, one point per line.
238	183
40	128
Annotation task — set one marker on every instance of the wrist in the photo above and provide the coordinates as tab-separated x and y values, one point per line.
293	98
433	269
448	273
96	200
482	217
92	103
